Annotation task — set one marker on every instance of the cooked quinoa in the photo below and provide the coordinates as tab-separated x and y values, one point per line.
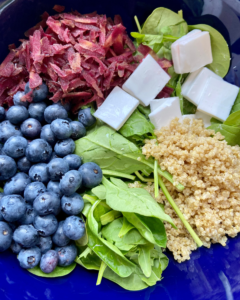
209	169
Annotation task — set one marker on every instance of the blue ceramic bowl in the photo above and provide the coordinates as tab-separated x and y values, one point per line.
211	273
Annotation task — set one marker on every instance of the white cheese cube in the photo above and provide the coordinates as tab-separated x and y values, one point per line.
156	103
194	85
217	98
116	108
206	118
164	114
146	81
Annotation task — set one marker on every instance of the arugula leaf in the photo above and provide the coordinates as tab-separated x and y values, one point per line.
144	259
220	50
58	272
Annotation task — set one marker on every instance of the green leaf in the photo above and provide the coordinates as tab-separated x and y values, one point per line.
144	259
58	272
215	121
110	217
231	133
100	192
145	110
89	260
188	107
126	227
233	119
220	50
236	105
1	190
118	182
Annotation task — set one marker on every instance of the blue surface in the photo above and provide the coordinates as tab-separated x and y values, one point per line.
211	273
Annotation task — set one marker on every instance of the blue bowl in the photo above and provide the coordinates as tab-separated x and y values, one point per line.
211	273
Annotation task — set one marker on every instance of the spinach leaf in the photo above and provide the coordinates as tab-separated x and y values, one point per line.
118	182
220	50
236	105
233	119
145	110
100	192
144	259
89	260
215	121
1	190
58	272
231	133
126	227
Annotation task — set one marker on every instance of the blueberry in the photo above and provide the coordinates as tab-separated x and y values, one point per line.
66	255
39	93
7	130
70	182
74	228
39	173
54	155
72	205
56	168
15	146
17	114
91	174
85	117
45	243
17	99
2	114
53	186
73	160
46	225
78	130
1	196
38	151
54	112
8	167
66	105
47	203
59	238
49	261
61	129
17	184
26	236
64	147
24	164
29	258
33	190
13	225
31	128
28	217
48	135
15	247
12	207
36	111
5	236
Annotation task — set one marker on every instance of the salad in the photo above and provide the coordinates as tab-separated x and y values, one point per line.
112	150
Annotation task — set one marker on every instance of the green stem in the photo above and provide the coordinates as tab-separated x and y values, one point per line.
178	212
156	179
142	178
118	174
146	173
91	199
110	217
138	24
170	38
101	271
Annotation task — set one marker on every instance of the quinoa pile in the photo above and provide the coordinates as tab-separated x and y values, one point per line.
201	160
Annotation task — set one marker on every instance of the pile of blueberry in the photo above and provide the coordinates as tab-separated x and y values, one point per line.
39	208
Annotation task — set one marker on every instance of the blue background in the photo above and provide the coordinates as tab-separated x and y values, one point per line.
211	273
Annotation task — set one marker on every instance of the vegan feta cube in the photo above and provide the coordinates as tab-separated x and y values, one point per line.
116	108
191	52
146	81
195	83
156	103
217	98
164	114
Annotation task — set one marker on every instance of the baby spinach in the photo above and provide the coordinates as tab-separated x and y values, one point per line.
236	105
233	119
220	50
58	272
126	227
144	259
231	134
100	192
89	260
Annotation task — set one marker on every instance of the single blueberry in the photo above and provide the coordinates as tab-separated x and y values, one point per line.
5	236
12	207
39	173
7	130
29	258
66	255
24	164
56	168
49	261
15	146
66	105
39	93
85	117
53	186
26	236
17	99
74	161
91	175
31	128
17	184
61	129
15	247
48	135
74	228
17	114
78	130
64	147
38	151
46	225
28	217
47	203
32	190
59	238
55	111
70	182
72	205
2	114
8	167
45	243
36	111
